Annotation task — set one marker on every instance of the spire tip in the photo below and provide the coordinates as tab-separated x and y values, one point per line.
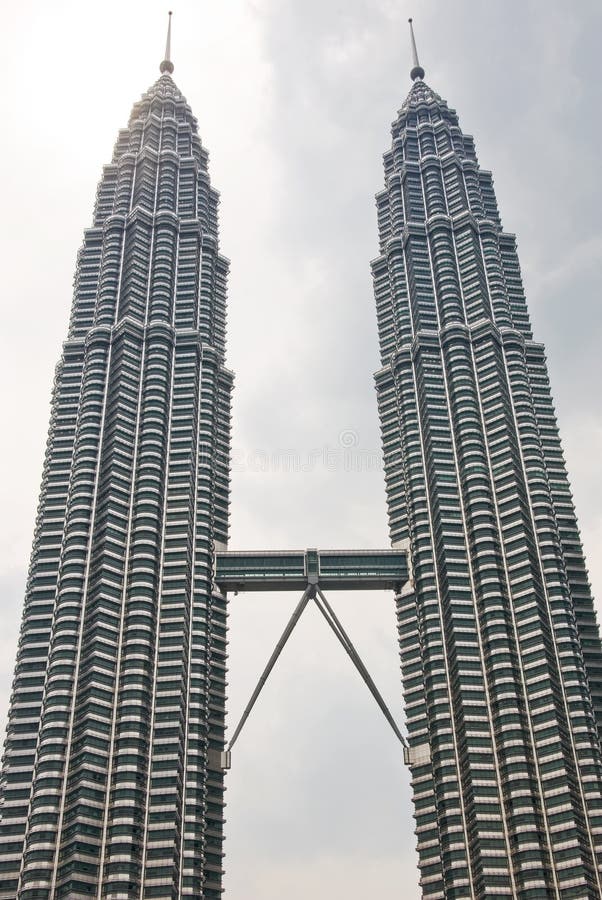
167	65
417	70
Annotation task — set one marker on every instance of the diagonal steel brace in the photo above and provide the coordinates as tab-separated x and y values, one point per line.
330	616
297	612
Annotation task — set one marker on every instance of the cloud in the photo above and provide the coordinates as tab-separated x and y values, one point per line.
331	876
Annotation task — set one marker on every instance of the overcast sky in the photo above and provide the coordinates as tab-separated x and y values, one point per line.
294	100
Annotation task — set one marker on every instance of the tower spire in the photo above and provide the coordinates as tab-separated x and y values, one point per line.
417	70
167	65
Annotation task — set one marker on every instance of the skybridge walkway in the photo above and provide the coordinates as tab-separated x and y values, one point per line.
288	570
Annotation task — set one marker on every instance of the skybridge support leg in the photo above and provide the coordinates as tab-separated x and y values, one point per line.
313	592
307	596
330	616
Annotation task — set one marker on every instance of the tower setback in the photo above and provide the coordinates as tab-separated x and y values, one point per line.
500	649
111	782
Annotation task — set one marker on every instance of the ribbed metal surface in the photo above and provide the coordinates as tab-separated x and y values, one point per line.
120	681
499	644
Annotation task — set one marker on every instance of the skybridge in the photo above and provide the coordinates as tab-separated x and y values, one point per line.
312	572
336	570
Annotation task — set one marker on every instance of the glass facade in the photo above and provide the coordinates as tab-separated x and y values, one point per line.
111	782
500	648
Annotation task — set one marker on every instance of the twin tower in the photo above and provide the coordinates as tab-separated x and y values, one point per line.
113	772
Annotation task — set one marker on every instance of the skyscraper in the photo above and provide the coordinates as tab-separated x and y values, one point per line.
500	649
111	782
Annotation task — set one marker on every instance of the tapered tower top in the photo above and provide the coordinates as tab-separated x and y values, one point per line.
167	65
417	70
